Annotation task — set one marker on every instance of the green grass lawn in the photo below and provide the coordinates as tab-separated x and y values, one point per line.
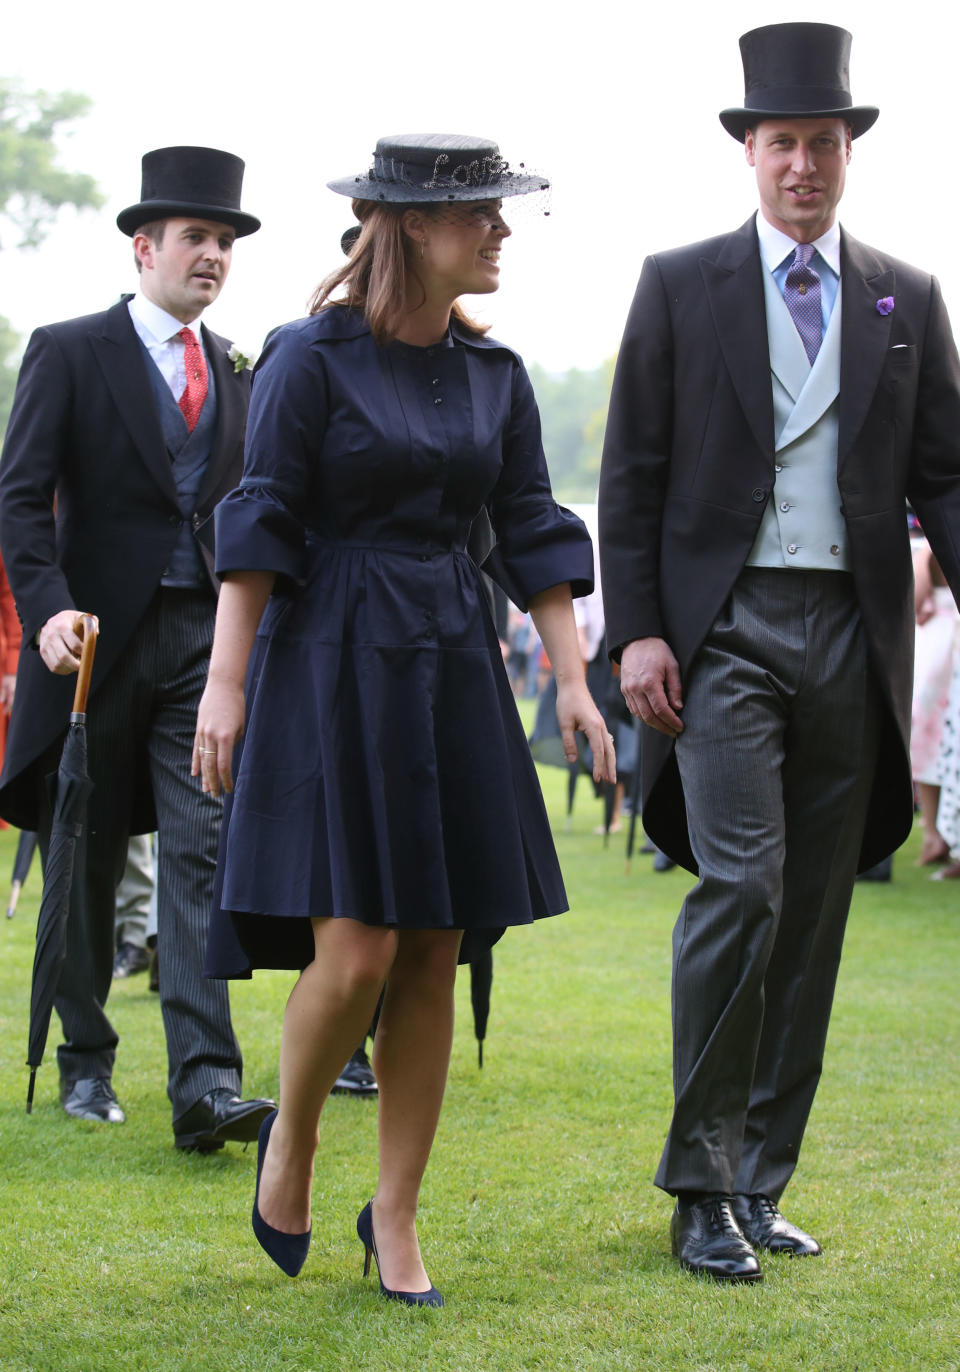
539	1220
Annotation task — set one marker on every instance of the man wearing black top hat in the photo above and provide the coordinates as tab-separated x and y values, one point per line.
779	392
127	428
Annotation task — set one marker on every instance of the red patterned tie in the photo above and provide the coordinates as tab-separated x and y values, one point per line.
195	391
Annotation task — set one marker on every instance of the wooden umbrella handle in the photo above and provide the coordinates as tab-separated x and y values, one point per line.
85	626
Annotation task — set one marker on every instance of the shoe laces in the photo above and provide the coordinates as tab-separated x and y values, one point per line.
720	1217
767	1208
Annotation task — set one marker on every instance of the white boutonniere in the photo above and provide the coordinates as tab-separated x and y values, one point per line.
241	361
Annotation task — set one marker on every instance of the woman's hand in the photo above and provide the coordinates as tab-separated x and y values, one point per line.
576	710
220	721
222	713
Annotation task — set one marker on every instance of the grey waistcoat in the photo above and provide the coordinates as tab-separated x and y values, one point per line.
803	526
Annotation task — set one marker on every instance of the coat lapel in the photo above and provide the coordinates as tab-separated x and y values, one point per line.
232	396
865	336
734	287
120	357
823	380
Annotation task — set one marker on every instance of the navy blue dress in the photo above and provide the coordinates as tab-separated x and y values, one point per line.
384	774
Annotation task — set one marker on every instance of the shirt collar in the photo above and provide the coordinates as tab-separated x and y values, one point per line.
156	322
775	245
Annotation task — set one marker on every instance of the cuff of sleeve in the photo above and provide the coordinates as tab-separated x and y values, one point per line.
559	550
256	532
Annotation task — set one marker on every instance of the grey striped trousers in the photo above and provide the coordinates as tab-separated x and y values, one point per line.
145	714
778	753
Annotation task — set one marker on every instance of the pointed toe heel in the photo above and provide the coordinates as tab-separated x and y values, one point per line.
365	1235
288	1251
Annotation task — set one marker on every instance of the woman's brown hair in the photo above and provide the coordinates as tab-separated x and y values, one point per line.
376	274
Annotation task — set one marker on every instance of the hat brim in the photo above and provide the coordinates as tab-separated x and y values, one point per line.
398	193
859	117
130	219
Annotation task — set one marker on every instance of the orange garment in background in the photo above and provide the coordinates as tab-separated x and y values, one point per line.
9	652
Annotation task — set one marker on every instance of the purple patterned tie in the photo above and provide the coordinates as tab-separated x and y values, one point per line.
802	297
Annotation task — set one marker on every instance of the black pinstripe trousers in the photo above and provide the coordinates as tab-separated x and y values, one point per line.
147	708
778	753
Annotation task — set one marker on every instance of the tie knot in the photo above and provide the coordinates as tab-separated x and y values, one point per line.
801	257
187	335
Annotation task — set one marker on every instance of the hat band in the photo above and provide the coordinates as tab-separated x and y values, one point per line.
798	98
483	171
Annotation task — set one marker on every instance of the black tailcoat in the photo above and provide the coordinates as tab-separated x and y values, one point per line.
688	467
84	430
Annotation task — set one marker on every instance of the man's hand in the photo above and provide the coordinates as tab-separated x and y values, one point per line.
650	683
59	646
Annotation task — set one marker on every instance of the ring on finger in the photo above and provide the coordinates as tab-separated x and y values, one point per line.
206	750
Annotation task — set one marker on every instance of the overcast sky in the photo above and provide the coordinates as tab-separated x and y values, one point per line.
616	103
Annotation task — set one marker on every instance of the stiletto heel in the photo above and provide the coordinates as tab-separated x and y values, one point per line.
288	1251
365	1235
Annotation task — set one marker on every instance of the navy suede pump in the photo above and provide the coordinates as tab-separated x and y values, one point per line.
289	1251
365	1233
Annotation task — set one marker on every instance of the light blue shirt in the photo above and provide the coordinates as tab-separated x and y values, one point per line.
777	250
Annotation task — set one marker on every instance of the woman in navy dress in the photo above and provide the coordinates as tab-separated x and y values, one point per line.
386	818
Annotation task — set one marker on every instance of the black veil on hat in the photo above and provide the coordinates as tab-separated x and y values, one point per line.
438	168
797	71
178	182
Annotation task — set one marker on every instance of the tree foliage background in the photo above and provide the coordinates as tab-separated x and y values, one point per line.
34	188
573	412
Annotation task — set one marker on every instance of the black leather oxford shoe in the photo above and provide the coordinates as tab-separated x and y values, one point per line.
765	1227
91	1098
220	1117
706	1238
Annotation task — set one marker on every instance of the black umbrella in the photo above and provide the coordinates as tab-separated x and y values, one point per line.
634	798
26	847
481	979
70	788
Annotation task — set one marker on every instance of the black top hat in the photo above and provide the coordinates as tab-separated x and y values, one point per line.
430	168
201	182
799	71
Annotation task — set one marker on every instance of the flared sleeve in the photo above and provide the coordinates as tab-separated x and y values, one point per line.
260	524
539	543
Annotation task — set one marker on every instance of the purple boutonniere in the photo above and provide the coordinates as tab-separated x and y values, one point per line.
885	304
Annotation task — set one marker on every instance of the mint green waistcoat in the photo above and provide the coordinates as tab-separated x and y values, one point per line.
802	525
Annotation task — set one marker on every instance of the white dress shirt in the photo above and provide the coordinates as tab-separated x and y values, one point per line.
158	332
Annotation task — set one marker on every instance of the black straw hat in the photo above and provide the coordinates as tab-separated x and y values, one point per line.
201	182
797	71
433	168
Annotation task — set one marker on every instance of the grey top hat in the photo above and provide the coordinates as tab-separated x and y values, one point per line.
200	182
797	71
433	168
